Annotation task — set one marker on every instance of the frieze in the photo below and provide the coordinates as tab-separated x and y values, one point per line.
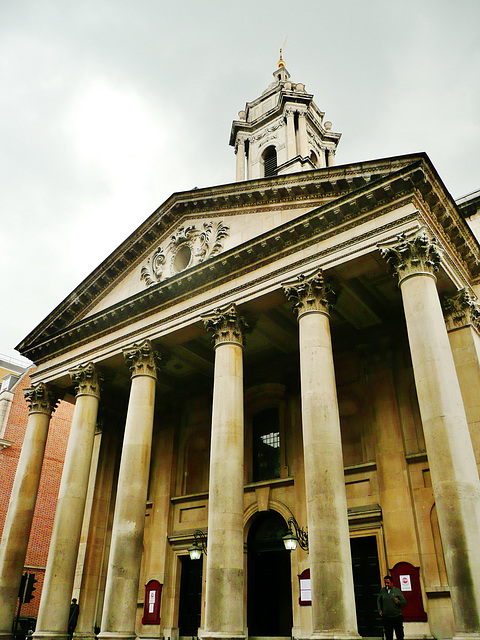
187	247
266	132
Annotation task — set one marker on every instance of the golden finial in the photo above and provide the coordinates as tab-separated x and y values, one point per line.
281	63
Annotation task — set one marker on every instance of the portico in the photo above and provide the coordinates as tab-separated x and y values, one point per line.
258	351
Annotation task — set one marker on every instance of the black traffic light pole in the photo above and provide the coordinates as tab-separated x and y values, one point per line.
21	594
25	594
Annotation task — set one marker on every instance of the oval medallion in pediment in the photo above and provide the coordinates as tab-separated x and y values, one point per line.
186	247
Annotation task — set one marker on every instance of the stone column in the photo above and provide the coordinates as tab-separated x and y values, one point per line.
291	142
18	521
330	157
455	482
96	536
240	151
123	573
333	601
67	526
462	316
224	615
302	134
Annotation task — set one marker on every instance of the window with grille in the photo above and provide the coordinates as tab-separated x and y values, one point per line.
270	162
266	445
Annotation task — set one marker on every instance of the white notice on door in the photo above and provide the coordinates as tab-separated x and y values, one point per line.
405	583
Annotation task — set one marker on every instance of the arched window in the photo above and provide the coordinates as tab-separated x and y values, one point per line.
270	162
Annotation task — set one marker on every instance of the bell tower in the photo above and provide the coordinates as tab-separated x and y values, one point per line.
282	132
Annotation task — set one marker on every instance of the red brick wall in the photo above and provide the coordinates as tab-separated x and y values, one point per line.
42	525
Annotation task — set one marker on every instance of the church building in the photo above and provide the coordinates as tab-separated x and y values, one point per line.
285	372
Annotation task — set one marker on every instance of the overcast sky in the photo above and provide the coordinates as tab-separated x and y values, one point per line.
109	106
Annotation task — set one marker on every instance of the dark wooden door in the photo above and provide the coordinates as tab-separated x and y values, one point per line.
190	606
367	582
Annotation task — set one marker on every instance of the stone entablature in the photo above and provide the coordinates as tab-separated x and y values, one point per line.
360	193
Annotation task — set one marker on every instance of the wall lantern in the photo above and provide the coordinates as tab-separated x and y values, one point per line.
296	535
199	545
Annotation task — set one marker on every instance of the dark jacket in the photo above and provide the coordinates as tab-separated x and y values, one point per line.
386	604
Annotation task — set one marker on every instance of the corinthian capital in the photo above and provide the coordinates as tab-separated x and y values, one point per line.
40	399
309	292
461	310
226	325
86	380
142	359
412	254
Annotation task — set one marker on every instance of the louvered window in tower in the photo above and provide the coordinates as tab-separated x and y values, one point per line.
270	162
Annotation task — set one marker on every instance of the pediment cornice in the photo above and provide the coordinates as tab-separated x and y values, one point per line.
349	192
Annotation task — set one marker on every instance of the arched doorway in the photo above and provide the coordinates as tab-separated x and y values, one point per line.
269	580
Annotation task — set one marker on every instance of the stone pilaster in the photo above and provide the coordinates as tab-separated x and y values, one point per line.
240	162
330	157
302	134
291	141
62	556
462	317
123	573
13	547
333	602
224	614
85	629
415	258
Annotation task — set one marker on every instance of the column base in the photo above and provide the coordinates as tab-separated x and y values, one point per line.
220	635
336	634
466	636
6	635
117	635
84	635
50	635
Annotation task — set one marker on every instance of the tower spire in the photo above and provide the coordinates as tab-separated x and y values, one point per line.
281	63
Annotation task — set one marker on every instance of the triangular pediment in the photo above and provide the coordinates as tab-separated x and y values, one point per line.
198	236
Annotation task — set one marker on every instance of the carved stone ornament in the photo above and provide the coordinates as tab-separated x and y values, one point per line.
142	359
309	292
461	310
226	325
40	399
86	380
185	248
412	254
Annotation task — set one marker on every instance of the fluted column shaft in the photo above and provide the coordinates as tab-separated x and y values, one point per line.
333	602
96	537
67	526
18	522
291	142
123	573
224	615
453	470
240	151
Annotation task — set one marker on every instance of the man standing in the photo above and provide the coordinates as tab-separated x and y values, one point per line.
389	603
73	617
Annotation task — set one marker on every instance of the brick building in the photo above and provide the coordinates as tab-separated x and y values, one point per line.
12	433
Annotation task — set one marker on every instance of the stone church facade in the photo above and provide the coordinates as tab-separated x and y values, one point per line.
293	355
